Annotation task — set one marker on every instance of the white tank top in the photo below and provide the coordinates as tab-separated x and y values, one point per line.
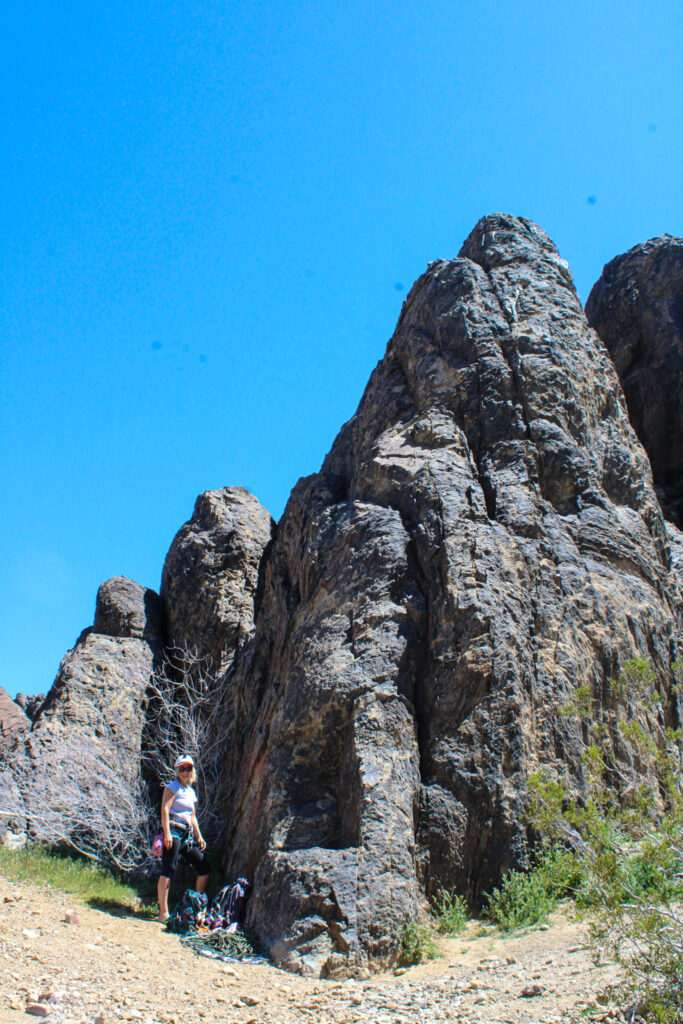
185	800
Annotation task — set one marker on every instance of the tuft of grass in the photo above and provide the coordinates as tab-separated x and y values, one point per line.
417	944
450	911
76	876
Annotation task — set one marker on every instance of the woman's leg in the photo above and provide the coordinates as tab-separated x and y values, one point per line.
169	859
162	895
197	858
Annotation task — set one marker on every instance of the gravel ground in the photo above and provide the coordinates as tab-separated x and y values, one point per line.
109	968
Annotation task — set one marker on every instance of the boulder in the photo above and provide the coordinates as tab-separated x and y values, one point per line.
637	309
211	574
13	720
127	609
483	538
105	675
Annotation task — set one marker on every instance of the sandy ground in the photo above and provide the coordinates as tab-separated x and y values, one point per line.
109	968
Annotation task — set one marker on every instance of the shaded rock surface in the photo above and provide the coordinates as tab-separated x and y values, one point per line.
483	537
211	574
637	309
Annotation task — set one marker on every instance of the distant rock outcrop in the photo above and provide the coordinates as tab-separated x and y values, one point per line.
483	538
13	721
637	309
75	774
30	704
107	672
211	574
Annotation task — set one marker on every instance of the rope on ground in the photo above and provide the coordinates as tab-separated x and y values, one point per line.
222	945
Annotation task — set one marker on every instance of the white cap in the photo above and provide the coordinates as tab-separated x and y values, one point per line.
184	759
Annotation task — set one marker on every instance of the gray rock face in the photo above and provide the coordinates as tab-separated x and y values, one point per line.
74	775
483	537
101	677
211	574
79	762
127	609
327	781
111	660
637	309
105	675
13	721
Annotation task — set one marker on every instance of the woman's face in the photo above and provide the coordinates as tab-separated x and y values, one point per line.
184	773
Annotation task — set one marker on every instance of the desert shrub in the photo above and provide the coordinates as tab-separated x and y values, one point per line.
561	872
521	901
417	944
190	716
626	830
526	898
87	788
450	912
83	789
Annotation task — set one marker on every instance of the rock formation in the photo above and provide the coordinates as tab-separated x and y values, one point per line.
30	704
75	775
637	309
483	537
13	720
105	675
125	609
211	574
102	699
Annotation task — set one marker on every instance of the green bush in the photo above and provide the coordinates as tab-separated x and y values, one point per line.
521	901
526	898
625	819
561	873
654	870
450	911
417	944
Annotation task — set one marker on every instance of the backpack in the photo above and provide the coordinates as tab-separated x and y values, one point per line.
189	914
228	906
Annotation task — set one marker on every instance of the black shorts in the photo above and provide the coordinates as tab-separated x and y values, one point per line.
190	854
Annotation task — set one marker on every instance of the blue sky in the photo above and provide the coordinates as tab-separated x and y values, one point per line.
212	213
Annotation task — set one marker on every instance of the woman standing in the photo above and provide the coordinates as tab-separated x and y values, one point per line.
181	832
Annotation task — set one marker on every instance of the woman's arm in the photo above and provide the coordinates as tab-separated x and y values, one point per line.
197	834
166	801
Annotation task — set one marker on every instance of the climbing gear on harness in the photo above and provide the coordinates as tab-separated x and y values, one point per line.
180	829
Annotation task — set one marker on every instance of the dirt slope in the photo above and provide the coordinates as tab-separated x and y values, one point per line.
125	969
